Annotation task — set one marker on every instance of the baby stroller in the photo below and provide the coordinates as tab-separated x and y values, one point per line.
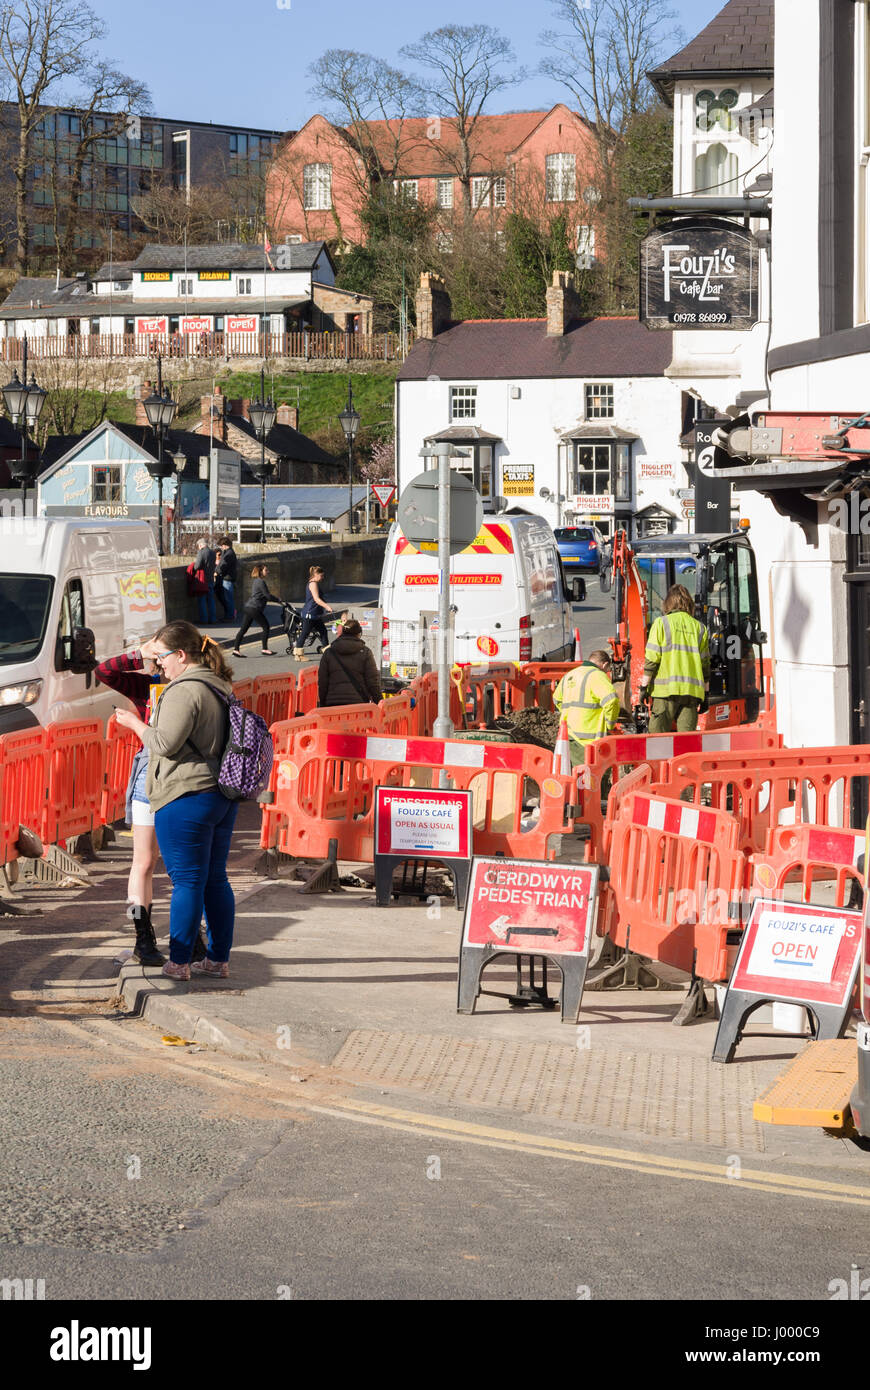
292	622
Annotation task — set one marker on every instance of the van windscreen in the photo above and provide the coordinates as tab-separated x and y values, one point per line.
25	600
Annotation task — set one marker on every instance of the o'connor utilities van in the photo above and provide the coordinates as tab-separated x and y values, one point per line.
507	588
72	592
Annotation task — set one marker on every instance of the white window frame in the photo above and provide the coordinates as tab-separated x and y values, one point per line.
862	155
561	190
244	285
407	189
463	396
317	187
599	388
444	193
185	286
488	190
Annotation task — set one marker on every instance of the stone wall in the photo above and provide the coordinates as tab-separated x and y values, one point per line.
356	562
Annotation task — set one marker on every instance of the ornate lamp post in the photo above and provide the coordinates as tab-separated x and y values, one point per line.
263	417
160	409
24	402
349	421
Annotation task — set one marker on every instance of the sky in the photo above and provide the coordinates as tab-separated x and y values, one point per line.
246	64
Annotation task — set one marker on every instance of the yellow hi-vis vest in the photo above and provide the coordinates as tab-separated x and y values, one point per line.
678	652
587	702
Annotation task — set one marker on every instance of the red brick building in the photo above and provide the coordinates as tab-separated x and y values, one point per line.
538	162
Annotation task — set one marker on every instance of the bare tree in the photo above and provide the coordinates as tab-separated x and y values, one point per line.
468	64
372	102
104	90
41	43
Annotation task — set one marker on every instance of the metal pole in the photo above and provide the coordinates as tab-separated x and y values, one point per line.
24	437
160	550
443	727
350	484
263	460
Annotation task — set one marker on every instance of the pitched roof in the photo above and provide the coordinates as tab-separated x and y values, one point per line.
283	441
516	348
226	255
298	503
44	290
421	155
738	39
193	446
112	270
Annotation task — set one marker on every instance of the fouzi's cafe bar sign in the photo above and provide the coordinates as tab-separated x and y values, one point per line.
699	274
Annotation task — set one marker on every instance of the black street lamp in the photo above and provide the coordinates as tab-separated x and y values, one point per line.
24	401
349	421
160	409
263	417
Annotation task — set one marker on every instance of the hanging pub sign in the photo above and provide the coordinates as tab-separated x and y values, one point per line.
699	273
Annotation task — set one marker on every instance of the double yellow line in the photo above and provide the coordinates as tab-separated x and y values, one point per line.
656	1165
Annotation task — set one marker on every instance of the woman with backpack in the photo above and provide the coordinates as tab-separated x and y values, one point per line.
347	674
255	611
313	613
186	739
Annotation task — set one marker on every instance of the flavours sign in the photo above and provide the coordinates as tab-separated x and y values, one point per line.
699	274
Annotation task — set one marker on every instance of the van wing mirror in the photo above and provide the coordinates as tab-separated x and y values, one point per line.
82	652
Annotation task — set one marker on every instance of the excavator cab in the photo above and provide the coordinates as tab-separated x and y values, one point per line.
720	573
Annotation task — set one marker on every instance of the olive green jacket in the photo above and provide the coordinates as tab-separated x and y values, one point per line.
187	737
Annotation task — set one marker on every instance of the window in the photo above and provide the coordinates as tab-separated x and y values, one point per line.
599	402
499	193
463	402
444	193
95	325
486	191
715	110
716	171
621	473
585	246
185	286
25	607
406	189
72	615
317	186
243	285
444	241
561	178
107	483
602	468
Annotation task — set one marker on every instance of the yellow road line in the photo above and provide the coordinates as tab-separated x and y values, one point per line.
543	1146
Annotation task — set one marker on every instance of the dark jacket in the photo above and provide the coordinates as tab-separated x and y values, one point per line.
206	559
229	566
334	684
260	596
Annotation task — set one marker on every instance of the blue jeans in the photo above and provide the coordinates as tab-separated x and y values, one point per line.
205	604
227	598
194	833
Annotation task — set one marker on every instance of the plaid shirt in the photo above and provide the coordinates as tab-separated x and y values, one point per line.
125	673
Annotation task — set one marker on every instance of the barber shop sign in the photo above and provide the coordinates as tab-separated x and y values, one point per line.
699	273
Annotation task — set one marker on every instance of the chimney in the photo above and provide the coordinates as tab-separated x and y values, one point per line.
288	415
563	303
212	416
240	407
433	305
144	391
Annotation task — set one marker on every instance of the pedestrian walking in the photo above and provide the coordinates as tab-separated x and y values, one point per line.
676	667
348	674
313	613
206	560
225	578
193	819
133	674
255	610
587	701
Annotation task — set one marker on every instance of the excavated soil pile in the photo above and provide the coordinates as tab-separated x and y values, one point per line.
537	726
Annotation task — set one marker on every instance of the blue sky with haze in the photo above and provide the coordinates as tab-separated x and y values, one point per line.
217	60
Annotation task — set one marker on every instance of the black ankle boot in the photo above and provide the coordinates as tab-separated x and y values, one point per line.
145	951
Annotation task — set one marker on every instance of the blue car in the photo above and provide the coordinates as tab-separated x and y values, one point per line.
581	548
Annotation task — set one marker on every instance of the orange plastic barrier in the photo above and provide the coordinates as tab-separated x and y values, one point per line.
607	759
121	748
425	693
341	718
489	691
328	773
543	677
306	690
75	753
275	697
674	870
244	692
773	786
23	786
811	856
397	715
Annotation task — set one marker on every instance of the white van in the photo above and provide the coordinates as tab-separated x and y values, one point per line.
508	589
72	593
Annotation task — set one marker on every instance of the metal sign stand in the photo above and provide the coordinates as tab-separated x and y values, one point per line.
473	960
385	864
826	1020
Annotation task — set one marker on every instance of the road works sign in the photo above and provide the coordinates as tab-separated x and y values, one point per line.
422	823
792	953
528	907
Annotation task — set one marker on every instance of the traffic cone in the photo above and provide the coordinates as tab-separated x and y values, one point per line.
562	752
578	645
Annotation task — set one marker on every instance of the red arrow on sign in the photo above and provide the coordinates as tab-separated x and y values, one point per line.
385	492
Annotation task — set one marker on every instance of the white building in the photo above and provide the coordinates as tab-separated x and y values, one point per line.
232	289
566	418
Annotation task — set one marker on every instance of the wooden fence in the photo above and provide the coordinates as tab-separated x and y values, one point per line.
307	346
